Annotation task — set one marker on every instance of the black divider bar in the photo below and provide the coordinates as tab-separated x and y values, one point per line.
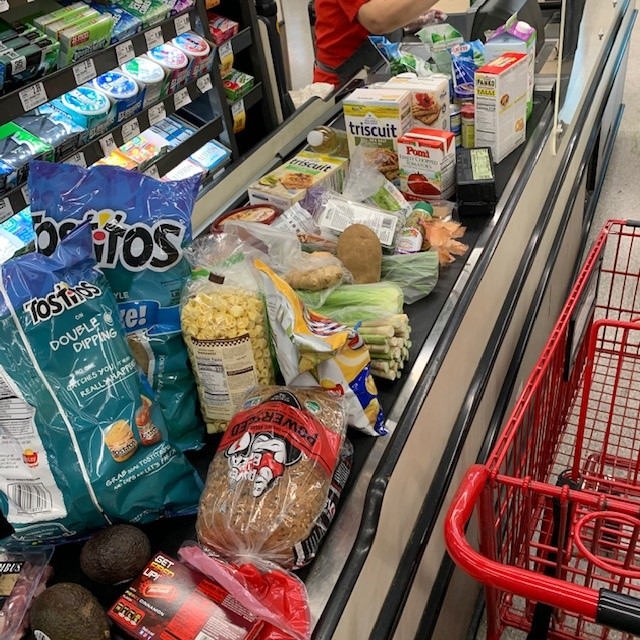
52	86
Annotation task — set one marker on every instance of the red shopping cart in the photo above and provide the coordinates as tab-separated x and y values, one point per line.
558	501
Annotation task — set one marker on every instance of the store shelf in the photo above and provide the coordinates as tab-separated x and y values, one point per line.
241	41
54	85
251	98
18	199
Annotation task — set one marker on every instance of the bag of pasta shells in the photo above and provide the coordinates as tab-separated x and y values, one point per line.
280	463
225	328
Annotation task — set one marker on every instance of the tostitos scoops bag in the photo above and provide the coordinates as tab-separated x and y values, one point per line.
82	443
140	227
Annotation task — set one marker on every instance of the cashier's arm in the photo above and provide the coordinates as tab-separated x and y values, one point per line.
384	16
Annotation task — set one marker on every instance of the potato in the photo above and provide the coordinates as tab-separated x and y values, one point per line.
361	253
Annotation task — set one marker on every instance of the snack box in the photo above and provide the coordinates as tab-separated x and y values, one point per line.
41	22
430	105
501	104
54	29
151	12
116	159
173	130
427	159
376	118
211	156
84	38
53	127
17	148
289	182
237	84
519	37
145	149
171	600
186	169
221	28
126	25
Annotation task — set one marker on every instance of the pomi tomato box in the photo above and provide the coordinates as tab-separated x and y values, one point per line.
170	600
427	160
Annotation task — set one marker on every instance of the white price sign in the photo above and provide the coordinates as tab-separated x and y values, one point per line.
182	98
125	52
130	129
33	96
108	144
84	71
204	83
25	194
6	210
19	65
154	37
183	24
4	5
78	159
153	172
226	58
156	114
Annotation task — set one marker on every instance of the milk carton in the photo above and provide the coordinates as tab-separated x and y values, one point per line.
427	164
430	104
501	104
515	36
375	119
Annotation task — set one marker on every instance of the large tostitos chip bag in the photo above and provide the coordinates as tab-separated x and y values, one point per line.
140	227
82	442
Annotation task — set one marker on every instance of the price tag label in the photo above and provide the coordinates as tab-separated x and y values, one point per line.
153	172
19	65
154	37
204	83
130	129
33	96
4	6
125	52
108	144
78	159
6	210
25	194
226	58
239	115
84	71
183	24
182	98
156	114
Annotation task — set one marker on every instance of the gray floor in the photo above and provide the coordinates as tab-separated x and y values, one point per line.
620	196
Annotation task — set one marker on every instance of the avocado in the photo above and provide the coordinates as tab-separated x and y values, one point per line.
116	554
67	611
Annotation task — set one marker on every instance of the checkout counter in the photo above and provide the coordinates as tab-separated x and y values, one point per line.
382	572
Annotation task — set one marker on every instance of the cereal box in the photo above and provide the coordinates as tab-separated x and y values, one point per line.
427	164
501	104
429	99
289	182
376	118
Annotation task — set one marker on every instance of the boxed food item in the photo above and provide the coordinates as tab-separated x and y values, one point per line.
211	156
84	38
117	159
41	22
221	28
186	169
151	12
427	160
376	118
501	89
173	130
197	50
150	77
126	25
429	99
124	92
54	127
170	599
54	29
289	182
237	84
515	36
175	65
144	149
17	149
89	108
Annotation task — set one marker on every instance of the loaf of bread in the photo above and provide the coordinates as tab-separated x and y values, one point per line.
270	477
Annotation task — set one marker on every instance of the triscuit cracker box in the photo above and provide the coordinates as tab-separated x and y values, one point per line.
289	182
430	104
376	118
501	104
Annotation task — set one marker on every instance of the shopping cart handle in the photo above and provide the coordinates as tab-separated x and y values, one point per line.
619	611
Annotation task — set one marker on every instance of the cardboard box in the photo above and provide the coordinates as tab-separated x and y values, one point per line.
501	104
289	182
515	37
170	600
376	118
427	164
430	104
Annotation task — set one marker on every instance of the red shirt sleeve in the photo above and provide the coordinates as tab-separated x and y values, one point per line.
351	8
